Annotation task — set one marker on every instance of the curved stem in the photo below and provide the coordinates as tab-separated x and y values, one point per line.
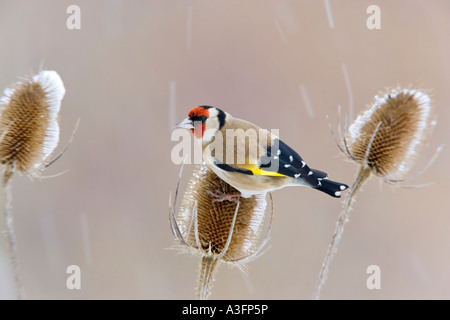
230	234
361	177
261	249
172	208
7	221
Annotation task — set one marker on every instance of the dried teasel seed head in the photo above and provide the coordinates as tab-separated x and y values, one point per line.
215	222
387	137
29	130
204	218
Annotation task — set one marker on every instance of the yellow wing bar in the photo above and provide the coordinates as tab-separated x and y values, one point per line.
260	172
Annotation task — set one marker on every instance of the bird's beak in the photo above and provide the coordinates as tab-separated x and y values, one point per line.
186	124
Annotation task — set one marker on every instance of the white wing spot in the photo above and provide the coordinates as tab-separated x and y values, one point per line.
310	173
287	165
297	175
343	187
337	193
291	158
303	164
278	152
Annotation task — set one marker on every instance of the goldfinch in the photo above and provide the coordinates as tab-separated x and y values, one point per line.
251	159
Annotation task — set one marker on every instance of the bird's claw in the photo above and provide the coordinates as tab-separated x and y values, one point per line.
220	196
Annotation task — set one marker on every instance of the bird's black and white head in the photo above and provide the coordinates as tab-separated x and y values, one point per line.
204	122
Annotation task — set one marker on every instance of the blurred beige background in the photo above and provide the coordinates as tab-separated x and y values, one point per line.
137	67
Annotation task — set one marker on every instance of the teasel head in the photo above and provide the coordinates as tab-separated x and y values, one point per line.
217	224
385	140
388	137
29	130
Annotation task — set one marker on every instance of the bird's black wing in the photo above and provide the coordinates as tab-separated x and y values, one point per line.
284	160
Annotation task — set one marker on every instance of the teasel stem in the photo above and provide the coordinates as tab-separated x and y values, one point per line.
208	267
8	228
361	178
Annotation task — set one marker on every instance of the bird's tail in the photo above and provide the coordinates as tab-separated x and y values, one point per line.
332	188
322	183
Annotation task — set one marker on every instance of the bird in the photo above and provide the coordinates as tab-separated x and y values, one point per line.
249	158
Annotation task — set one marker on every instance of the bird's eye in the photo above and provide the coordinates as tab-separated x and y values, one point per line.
198	118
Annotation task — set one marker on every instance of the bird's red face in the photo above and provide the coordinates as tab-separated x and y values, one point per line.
204	122
198	116
196	121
